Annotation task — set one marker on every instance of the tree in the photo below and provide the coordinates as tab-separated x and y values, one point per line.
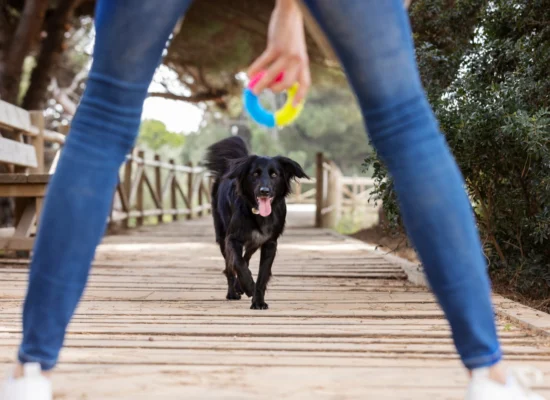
49	57
25	35
501	102
495	115
443	32
154	136
331	123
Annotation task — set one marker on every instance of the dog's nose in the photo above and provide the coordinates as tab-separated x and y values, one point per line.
265	191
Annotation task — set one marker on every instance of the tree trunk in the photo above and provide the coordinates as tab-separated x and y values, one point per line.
27	31
5	34
50	55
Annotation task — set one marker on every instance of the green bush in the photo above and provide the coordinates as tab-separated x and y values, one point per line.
496	119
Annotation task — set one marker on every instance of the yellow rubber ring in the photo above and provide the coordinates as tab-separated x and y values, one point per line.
288	113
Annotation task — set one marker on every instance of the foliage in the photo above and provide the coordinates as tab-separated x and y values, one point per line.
154	136
497	122
196	143
331	123
443	31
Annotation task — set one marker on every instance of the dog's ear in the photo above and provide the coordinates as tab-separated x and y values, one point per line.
238	168
291	168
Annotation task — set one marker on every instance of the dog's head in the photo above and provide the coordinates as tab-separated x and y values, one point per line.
264	180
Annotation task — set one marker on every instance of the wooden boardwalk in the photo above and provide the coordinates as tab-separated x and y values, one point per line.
343	323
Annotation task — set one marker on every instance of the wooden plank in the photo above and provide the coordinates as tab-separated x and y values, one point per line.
173	190
158	189
523	315
319	190
126	187
154	197
7	232
39	205
39	178
13	178
134	185
37	119
27	220
140	194
23	190
15	118
21	154
123	198
16	243
55	161
190	192
155	322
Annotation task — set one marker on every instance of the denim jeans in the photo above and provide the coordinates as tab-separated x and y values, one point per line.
373	40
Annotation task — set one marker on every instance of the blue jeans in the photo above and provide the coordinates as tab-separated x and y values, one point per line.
373	40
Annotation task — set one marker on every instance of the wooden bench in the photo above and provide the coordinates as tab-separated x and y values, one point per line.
25	180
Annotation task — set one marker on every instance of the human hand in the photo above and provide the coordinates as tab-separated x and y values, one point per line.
286	53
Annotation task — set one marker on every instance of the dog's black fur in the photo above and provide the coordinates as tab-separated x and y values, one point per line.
241	182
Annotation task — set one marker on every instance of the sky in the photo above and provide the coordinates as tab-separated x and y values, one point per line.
178	116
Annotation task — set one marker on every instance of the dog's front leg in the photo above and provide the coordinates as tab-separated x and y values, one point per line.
269	249
234	256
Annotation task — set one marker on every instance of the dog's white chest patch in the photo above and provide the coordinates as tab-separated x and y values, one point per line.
259	238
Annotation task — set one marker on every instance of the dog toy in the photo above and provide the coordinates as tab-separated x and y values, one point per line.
284	116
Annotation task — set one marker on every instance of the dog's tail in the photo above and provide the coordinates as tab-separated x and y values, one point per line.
219	155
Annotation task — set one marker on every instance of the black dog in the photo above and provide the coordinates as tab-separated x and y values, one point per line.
249	210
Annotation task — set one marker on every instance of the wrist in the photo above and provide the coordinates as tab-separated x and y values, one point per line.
291	5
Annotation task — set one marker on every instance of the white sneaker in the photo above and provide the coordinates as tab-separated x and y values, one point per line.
32	386
517	388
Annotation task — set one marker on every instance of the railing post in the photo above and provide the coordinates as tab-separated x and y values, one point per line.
190	190
334	197
37	119
298	191
127	187
173	197
201	197
319	190
139	197
355	192
158	188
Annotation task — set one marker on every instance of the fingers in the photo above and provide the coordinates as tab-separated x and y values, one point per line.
304	80
295	70
270	75
261	63
289	78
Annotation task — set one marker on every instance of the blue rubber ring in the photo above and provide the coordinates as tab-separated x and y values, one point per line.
256	111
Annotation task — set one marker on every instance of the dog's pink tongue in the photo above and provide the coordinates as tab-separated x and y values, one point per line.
264	206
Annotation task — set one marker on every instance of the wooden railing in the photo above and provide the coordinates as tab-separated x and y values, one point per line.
17	124
154	191
332	193
160	191
149	191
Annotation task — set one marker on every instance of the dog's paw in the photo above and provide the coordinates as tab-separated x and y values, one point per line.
237	287
249	288
233	296
247	285
259	305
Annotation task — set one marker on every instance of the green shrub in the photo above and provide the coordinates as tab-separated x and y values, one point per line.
495	115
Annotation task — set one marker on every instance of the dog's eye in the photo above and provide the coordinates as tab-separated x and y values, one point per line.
273	175
256	174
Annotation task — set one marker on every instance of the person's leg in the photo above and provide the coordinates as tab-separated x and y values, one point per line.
373	40
130	39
